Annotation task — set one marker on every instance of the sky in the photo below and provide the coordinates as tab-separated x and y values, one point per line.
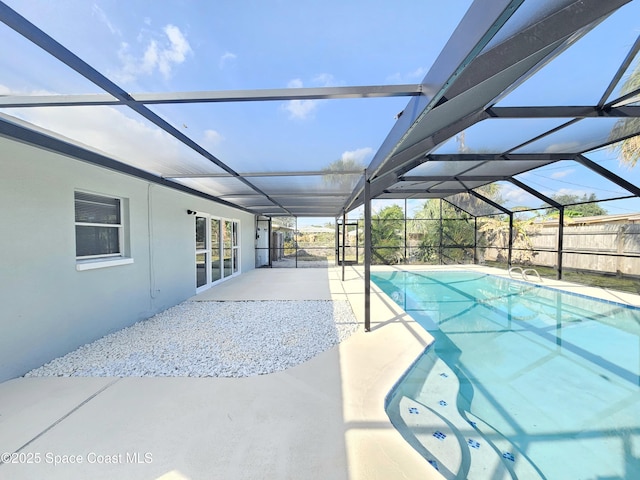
197	45
171	46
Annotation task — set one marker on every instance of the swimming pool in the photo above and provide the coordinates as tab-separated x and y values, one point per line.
522	381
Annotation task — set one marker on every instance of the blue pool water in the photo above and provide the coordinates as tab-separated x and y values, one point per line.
546	382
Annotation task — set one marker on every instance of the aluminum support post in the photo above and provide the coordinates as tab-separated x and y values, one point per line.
510	254
367	254
560	240
344	237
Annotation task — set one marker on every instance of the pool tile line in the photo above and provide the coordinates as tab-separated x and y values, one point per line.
571	292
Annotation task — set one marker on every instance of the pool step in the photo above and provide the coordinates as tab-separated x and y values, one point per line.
515	461
458	447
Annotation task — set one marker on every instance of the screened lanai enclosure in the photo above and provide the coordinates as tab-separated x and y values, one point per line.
518	146
597	250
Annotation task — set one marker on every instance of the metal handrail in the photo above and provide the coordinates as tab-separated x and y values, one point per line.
526	277
511	269
524	273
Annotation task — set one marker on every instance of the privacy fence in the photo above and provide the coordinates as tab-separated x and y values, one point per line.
605	254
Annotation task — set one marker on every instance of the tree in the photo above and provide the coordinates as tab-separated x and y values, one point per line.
455	232
495	234
447	236
628	149
583	209
474	205
284	222
387	233
334	173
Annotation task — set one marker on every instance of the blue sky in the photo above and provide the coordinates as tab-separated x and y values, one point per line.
168	46
226	45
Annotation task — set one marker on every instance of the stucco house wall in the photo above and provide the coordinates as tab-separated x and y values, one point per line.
47	306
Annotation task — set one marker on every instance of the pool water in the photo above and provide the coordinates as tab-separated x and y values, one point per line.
523	381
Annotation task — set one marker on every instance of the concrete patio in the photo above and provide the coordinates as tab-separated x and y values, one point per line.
323	419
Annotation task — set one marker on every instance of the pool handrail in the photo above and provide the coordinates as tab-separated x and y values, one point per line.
524	273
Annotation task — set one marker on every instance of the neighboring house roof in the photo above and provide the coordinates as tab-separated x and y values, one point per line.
313	229
599	219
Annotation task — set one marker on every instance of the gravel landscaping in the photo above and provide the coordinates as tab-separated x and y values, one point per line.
212	339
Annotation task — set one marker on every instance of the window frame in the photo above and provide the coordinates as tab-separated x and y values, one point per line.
90	262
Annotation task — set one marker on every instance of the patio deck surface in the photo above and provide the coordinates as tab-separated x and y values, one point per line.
323	419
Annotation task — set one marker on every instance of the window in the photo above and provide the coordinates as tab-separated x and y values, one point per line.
99	230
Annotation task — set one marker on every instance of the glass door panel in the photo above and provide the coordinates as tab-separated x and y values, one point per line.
235	260
216	272
201	252
201	269
201	233
235	247
226	251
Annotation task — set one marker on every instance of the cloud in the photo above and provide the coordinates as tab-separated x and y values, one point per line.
212	138
295	83
562	173
324	80
414	76
111	131
303	109
358	156
176	53
299	109
563	147
568	191
160	55
104	19
226	58
418	73
119	136
513	195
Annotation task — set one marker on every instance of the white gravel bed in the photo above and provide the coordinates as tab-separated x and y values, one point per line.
212	339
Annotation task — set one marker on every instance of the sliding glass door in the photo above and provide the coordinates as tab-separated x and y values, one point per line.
217	250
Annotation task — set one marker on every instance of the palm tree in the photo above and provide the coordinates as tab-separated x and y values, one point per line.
628	149
387	235
495	232
334	173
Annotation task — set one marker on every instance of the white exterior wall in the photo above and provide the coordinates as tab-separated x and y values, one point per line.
47	307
